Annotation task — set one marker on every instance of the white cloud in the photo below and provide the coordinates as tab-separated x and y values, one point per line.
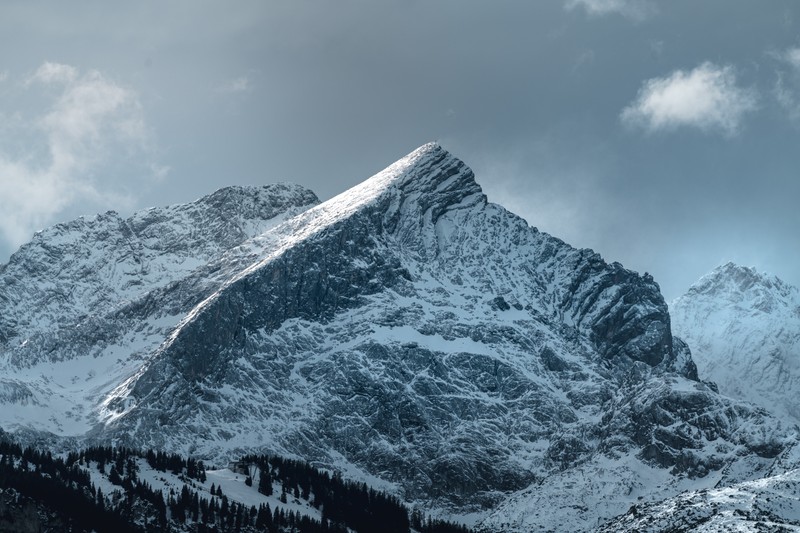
88	122
241	84
636	10
54	73
792	57
707	97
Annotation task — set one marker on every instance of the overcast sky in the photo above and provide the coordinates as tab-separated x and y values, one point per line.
664	135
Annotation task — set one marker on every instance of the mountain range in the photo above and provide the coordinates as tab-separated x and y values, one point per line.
407	333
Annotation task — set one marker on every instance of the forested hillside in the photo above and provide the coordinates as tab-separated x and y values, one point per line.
123	490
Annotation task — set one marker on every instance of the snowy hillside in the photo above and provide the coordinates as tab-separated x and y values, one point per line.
768	504
70	276
407	333
743	328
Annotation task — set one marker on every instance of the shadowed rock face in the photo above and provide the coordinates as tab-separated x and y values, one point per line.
408	330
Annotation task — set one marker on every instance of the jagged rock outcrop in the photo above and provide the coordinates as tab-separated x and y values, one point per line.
82	292
770	504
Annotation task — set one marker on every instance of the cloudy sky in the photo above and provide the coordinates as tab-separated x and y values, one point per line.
664	135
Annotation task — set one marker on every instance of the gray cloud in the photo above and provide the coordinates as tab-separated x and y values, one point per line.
707	97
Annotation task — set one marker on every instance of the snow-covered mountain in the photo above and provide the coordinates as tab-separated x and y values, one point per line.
744	331
58	292
406	332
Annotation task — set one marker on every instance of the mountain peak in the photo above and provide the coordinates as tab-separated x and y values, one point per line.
429	168
405	330
102	261
740	282
417	188
743	327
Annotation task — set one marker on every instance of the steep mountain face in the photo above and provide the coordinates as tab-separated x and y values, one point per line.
405	332
744	331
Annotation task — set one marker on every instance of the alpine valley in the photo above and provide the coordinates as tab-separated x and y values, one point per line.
406	334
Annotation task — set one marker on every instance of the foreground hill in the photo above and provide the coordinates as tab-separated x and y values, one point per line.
119	490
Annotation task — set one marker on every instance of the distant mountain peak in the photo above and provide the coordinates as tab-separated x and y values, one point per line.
739	281
74	269
743	328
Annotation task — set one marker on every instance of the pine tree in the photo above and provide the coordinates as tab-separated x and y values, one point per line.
262	519
195	507
113	476
265	482
224	509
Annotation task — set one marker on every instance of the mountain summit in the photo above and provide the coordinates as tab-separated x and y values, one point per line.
744	330
406	332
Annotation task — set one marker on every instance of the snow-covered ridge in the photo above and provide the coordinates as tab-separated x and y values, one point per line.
58	292
744	331
406	203
93	264
736	283
768	504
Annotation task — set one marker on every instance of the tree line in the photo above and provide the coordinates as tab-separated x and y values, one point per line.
62	487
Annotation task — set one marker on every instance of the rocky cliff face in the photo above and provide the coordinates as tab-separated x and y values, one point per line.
408	332
744	330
